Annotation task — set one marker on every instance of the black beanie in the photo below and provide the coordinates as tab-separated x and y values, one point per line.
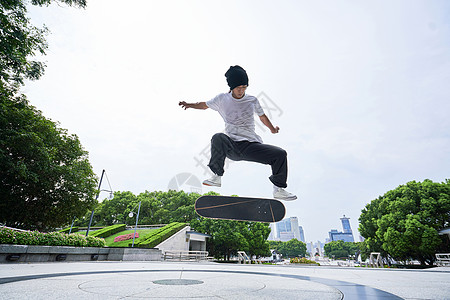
236	76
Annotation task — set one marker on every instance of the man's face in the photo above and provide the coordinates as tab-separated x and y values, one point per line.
239	91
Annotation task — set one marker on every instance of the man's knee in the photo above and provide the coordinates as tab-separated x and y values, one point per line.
281	153
218	138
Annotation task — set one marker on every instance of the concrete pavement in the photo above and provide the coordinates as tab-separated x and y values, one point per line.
207	280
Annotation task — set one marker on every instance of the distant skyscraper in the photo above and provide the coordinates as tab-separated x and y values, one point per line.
286	230
286	236
295	228
283	226
302	234
346	236
346	224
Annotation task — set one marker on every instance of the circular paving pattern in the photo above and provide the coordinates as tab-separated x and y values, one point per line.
192	284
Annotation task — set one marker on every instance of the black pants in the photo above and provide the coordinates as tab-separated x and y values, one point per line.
222	146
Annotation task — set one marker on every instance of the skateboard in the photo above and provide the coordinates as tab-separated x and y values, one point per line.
240	208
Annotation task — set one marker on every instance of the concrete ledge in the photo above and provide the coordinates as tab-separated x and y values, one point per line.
37	249
13	248
33	253
134	254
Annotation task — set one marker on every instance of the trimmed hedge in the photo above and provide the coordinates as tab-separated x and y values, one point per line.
158	236
66	230
9	236
108	231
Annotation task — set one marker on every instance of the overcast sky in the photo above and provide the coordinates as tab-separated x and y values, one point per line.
360	91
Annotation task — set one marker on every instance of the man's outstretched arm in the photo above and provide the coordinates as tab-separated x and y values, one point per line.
198	105
266	121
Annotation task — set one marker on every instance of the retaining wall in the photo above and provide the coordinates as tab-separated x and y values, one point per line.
32	253
179	241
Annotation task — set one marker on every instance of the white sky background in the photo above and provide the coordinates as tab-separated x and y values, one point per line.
363	89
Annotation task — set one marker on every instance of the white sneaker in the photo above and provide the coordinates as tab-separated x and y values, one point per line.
215	180
282	194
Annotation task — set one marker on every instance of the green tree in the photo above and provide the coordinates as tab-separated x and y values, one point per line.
45	176
404	222
292	248
275	245
180	205
20	42
256	235
113	211
341	249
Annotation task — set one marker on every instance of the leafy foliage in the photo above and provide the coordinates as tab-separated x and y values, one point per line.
256	235
9	236
341	249
291	248
45	175
404	222
303	260
20	41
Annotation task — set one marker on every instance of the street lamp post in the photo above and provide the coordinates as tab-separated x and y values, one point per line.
137	218
71	226
96	198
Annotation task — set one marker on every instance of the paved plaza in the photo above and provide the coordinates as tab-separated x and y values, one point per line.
207	280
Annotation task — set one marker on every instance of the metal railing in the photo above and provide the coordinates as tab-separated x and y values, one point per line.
375	260
243	258
443	259
182	255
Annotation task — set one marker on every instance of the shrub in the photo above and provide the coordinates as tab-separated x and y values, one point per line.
298	260
95	242
110	230
9	236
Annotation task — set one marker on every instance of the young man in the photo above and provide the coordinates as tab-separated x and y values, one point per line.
240	142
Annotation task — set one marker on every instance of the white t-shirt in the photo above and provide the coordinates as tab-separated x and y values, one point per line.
238	115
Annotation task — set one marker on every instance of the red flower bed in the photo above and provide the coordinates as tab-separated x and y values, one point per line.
125	237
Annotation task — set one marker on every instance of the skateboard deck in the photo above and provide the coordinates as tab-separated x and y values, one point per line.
240	208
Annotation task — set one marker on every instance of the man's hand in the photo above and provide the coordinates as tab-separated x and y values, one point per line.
198	105
184	105
275	129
